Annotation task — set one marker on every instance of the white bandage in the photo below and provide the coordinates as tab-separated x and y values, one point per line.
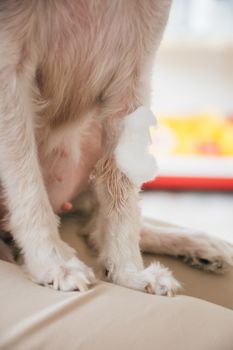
132	152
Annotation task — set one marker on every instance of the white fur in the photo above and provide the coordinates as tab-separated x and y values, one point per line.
196	248
55	69
58	266
32	220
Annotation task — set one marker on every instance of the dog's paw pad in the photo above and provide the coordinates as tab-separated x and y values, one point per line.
208	253
216	265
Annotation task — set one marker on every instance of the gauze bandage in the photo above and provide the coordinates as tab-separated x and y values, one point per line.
132	152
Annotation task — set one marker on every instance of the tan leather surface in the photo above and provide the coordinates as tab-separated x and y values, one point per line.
111	317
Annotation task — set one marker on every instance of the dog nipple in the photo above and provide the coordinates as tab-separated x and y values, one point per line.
67	206
58	178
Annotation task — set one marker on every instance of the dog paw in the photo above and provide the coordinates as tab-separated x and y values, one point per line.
159	280
213	264
69	275
155	279
59	268
209	254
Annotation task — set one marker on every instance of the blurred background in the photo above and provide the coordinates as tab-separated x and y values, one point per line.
192	97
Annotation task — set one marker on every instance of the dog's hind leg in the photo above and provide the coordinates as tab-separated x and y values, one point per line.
195	248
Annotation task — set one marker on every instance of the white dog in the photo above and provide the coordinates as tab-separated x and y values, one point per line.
70	71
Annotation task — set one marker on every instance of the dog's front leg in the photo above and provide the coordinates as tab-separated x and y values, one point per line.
118	231
32	222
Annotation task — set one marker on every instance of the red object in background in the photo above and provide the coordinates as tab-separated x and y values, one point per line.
189	183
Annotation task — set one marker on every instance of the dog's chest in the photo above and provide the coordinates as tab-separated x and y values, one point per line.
84	52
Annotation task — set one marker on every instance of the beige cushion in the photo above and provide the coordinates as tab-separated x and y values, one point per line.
111	317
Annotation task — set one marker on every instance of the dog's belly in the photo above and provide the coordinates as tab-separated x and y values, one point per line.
64	176
97	68
67	169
